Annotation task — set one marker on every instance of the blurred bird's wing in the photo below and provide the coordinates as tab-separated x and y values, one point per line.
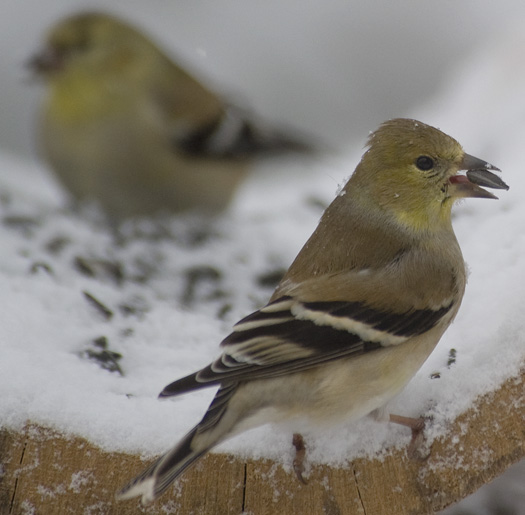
201	124
232	134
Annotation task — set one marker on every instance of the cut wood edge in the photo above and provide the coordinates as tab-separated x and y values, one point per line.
43	471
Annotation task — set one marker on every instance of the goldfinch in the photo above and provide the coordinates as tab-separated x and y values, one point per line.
360	309
123	125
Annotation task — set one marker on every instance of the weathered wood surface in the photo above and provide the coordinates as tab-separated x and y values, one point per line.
43	472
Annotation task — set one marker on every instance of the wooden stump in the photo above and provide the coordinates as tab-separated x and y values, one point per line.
43	472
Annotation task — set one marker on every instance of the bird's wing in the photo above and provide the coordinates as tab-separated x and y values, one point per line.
289	335
233	134
202	124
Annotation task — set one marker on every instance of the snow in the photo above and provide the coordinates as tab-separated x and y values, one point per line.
165	296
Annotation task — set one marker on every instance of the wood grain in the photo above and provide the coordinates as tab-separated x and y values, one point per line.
44	472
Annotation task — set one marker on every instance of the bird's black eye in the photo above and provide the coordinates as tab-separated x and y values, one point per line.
424	163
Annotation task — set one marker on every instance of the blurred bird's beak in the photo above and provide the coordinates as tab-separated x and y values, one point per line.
478	174
47	61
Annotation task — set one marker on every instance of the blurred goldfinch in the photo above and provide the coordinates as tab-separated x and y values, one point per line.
359	311
122	124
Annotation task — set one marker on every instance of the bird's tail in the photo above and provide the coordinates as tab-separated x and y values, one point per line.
156	478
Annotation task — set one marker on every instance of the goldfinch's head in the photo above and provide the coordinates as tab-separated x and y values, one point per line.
412	170
93	44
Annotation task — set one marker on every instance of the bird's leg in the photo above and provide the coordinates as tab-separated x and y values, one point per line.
417	425
300	452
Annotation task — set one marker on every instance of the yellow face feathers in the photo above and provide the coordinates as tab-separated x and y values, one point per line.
101	63
92	42
410	169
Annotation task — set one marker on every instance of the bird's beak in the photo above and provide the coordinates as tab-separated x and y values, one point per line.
478	174
47	61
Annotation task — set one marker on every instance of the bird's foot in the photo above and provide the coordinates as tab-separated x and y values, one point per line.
300	453
417	449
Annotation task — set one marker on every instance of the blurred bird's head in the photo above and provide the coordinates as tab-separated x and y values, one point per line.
91	42
93	62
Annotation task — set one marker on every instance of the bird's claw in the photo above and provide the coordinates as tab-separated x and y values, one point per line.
300	453
417	449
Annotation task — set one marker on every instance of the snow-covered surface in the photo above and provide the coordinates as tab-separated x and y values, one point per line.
174	291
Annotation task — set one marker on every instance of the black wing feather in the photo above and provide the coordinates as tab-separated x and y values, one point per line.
321	341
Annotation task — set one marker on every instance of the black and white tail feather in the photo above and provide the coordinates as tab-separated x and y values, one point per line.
285	336
157	477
